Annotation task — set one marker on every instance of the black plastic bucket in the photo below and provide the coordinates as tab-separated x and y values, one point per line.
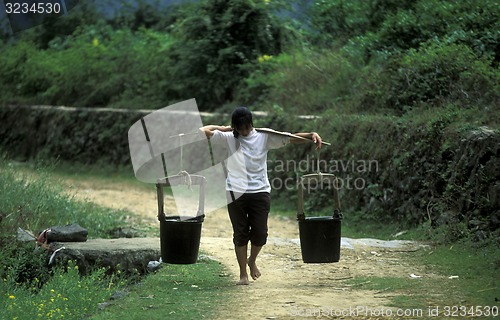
180	239
320	239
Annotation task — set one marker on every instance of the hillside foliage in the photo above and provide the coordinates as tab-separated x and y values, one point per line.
353	56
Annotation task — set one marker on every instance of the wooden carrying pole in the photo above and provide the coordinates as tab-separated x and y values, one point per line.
287	134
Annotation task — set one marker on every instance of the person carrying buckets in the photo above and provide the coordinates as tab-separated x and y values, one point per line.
247	183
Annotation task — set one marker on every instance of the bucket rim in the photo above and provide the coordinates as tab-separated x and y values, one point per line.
321	218
187	219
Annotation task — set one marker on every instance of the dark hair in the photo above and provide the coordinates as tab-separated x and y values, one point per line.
241	117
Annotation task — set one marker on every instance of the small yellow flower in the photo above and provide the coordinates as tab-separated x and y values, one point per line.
52	291
12	297
264	58
95	43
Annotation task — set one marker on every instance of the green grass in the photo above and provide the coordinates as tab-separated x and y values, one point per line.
66	295
474	281
33	199
476	267
98	174
174	292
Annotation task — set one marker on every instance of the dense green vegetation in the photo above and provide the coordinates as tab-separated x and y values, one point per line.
62	294
350	56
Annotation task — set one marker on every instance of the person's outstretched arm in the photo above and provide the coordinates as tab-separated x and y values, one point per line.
209	129
309	135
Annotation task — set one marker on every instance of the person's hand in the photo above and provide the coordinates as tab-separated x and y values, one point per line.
317	140
225	128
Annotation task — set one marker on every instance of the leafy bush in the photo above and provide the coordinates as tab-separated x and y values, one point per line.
95	66
204	57
428	167
388	27
422	53
311	81
436	74
13	58
214	43
472	23
335	22
23	265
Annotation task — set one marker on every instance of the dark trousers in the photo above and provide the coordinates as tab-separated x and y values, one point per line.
248	213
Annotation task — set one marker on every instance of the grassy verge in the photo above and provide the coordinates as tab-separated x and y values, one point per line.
174	292
65	295
29	288
35	198
458	275
97	174
101	175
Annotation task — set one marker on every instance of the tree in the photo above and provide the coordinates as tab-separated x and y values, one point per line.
215	40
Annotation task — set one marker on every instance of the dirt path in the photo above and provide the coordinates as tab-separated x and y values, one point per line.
288	287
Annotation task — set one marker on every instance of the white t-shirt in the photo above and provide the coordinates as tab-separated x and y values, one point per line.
247	159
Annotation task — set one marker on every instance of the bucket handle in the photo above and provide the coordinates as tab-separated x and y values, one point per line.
180	179
318	178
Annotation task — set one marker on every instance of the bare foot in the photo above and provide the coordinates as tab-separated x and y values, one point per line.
243	280
254	271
